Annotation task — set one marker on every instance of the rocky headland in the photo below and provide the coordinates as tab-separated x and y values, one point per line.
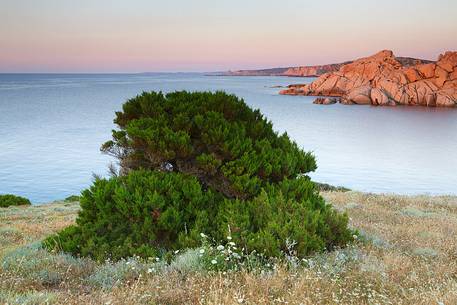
383	79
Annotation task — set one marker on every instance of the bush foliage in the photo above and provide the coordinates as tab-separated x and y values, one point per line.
139	214
72	198
213	136
12	200
195	163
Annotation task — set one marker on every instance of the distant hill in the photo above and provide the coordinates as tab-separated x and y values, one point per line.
309	71
261	72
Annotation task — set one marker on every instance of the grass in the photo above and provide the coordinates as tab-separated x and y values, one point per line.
406	254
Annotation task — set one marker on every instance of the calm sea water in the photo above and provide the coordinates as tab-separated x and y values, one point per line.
51	128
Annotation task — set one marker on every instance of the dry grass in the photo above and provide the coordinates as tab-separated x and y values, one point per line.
411	258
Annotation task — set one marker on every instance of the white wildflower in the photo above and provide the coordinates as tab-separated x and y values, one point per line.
229	237
214	262
231	243
220	247
202	251
203	235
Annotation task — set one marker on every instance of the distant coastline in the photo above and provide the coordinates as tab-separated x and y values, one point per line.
308	71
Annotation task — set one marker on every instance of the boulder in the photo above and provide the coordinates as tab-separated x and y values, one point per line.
360	95
325	101
427	70
379	97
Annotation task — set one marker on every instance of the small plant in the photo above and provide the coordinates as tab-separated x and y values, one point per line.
13	200
414	212
188	261
334	263
228	256
42	267
28	298
332	188
9	235
425	252
72	198
111	274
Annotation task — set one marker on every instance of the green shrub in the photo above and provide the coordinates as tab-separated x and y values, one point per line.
215	137
72	198
195	163
12	200
332	188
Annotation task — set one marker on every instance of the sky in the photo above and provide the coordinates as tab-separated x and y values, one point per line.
215	35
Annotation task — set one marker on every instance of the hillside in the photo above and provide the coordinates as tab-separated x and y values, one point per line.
310	71
406	255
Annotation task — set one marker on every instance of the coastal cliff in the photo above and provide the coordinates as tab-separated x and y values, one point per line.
311	71
383	79
299	71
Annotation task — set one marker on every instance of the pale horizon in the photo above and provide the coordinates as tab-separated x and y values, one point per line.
178	36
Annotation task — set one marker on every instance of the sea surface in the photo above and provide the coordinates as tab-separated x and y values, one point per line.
52	126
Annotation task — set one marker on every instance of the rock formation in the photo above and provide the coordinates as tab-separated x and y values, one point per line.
325	101
383	79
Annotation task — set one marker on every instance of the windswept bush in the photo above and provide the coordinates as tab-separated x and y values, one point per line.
72	198
12	200
196	163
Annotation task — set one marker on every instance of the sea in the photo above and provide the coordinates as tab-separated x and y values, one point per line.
52	127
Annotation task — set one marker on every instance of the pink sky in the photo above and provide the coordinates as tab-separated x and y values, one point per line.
203	35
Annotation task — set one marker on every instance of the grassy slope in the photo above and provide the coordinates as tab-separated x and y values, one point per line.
411	259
